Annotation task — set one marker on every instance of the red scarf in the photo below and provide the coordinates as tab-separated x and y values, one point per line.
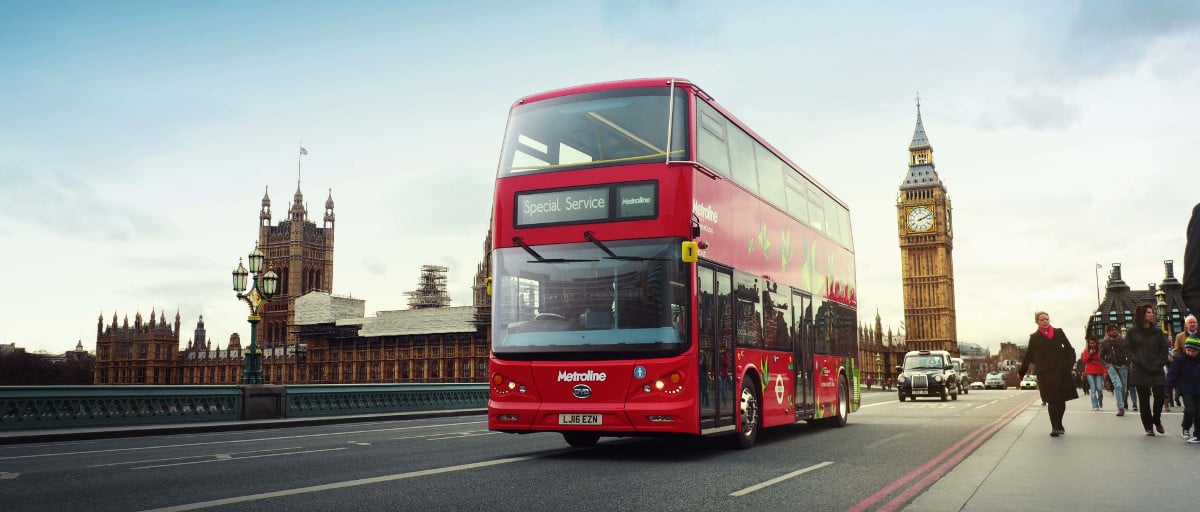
1048	332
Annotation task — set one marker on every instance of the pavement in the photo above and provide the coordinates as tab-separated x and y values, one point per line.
1104	462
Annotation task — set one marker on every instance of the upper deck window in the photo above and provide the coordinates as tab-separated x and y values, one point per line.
597	129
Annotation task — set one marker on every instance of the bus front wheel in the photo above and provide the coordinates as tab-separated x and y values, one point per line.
581	439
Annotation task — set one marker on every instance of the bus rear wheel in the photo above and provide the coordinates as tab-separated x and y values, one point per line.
748	415
581	439
842	412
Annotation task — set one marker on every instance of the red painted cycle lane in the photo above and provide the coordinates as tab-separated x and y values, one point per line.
937	467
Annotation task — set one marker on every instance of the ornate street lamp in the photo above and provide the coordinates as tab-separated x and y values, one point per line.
1161	310
262	288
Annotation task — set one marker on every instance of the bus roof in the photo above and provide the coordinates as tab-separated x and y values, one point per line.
662	82
604	86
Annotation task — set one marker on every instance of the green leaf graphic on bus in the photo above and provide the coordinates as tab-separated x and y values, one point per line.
766	374
808	271
785	250
764	242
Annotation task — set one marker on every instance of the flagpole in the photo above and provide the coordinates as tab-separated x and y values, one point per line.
298	157
1097	272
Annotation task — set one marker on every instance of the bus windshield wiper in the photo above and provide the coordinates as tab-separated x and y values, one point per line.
591	237
539	259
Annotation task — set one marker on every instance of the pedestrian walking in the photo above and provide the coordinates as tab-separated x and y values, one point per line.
1081	376
1184	377
1050	356
1190	329
1114	352
1093	371
1148	353
1191	263
1169	397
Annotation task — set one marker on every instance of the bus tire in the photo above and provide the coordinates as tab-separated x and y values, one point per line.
749	415
842	413
581	439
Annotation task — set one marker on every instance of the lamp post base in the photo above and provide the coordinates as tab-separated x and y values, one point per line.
252	373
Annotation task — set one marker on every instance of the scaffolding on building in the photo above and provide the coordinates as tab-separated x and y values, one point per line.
431	289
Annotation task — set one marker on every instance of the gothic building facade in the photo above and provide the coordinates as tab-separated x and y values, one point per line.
335	344
880	352
923	216
142	353
417	345
301	254
1120	301
308	335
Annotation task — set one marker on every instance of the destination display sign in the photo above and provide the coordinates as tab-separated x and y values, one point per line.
626	201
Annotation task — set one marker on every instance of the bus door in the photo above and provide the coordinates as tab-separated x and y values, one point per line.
803	347
714	302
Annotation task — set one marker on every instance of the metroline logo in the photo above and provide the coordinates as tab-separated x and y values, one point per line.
704	211
590	376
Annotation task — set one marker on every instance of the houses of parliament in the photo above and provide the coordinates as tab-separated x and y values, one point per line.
307	334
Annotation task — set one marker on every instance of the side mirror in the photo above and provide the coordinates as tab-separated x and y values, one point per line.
899	368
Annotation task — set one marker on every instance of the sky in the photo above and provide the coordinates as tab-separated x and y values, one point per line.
137	139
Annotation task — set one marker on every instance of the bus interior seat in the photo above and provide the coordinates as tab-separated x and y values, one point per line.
596	319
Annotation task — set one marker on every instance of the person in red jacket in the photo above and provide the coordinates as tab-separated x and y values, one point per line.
1093	370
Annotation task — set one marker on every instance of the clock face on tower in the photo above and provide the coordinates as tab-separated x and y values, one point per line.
920	219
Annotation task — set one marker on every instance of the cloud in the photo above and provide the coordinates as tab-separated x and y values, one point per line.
374	266
65	204
1107	36
1035	111
644	21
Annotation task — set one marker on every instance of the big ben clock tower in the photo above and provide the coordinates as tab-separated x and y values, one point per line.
926	244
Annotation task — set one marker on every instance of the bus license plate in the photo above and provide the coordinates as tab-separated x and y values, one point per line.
579	419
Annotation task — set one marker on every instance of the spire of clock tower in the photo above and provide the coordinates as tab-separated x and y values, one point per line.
921	171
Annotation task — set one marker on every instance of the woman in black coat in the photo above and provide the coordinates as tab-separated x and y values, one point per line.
1147	355
1050	357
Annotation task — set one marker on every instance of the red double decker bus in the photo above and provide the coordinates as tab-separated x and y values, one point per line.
660	269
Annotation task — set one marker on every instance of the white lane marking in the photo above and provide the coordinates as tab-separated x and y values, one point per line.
219	459
462	434
774	481
448	435
194	457
8	476
336	485
877	403
326	434
42	445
